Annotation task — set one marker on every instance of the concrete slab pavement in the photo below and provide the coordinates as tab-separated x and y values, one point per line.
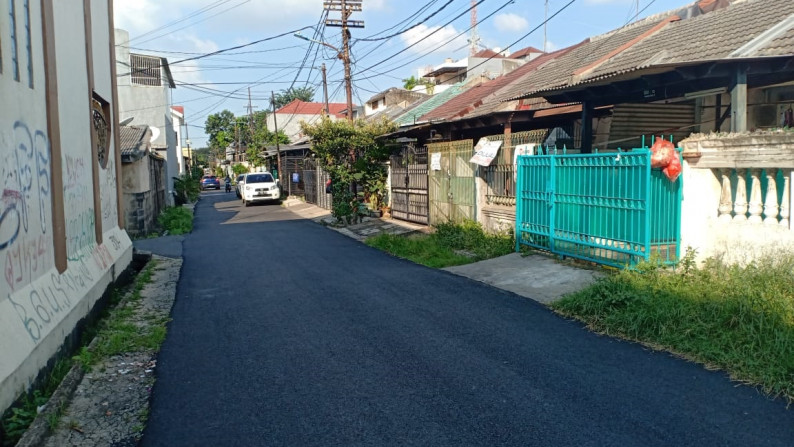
536	276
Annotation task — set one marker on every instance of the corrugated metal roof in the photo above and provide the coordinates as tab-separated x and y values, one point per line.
135	141
412	116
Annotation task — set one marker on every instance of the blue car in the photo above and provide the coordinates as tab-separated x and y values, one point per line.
210	181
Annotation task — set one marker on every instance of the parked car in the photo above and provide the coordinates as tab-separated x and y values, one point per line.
239	186
260	186
210	181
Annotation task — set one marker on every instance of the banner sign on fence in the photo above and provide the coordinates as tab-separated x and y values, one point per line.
485	151
521	149
435	161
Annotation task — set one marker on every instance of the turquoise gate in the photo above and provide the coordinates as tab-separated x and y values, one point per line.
610	208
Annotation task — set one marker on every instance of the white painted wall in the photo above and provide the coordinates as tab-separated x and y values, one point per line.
39	306
147	105
733	242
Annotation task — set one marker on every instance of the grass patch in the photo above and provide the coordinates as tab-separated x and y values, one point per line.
176	220
451	244
740	319
18	418
121	331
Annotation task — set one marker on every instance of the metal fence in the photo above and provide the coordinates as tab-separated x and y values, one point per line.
610	208
314	179
293	182
451	181
500	176
409	189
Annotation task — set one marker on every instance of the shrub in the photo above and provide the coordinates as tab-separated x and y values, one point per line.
186	188
176	220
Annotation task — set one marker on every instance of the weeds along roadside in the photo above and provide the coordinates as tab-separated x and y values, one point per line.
739	319
449	245
111	334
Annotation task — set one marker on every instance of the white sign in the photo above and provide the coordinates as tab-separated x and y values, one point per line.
485	151
435	161
521	149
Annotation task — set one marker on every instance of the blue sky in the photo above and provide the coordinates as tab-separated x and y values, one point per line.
180	29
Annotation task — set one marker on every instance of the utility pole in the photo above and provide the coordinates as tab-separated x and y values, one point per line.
275	126
346	7
545	22
325	90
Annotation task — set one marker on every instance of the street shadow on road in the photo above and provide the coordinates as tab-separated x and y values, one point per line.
237	213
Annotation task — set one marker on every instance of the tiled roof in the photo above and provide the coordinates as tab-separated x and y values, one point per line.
134	142
479	95
180	109
518	81
298	107
713	36
412	116
486	53
559	71
708	37
524	52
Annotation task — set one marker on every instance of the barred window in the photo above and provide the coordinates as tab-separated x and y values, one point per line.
145	70
12	13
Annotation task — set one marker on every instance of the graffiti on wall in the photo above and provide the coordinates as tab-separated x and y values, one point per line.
25	176
24	206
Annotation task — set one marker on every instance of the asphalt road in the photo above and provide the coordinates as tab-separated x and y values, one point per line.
287	333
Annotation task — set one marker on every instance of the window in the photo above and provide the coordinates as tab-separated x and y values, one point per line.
145	70
12	12
29	45
375	105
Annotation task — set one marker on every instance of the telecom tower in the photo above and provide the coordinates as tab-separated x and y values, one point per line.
474	41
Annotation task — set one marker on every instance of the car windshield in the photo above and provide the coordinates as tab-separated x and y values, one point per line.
259	178
240	178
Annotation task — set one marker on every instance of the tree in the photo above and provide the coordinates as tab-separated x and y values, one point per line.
239	168
352	152
287	96
410	83
220	128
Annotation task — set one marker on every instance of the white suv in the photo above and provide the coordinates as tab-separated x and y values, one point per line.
260	186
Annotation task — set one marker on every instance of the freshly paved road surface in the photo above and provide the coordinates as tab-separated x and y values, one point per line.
287	333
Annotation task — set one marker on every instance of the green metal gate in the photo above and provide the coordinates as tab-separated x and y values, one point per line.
610	208
452	182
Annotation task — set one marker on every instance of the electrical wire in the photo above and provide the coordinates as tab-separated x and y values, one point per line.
421	22
194	23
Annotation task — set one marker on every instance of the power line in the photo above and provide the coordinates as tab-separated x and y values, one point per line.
373	39
188	17
194	23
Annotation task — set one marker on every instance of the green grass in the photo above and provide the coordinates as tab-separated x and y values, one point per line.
18	418
740	319
449	245
120	331
176	220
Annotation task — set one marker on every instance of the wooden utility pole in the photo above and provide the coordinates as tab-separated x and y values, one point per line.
347	7
275	126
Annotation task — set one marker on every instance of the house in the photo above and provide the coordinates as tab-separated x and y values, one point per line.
526	54
485	64
62	238
178	120
143	180
652	77
144	84
287	119
391	97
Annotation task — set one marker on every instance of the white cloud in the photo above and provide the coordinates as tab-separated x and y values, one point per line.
511	22
440	36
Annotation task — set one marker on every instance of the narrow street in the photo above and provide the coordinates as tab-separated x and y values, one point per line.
287	333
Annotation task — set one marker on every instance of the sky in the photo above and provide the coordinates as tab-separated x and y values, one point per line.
399	37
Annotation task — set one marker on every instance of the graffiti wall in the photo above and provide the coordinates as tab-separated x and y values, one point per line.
53	268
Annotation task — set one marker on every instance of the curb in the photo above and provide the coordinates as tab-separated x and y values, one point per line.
39	430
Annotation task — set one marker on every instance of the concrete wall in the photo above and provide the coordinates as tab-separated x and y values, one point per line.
144	194
47	287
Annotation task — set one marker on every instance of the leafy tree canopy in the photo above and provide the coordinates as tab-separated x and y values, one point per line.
352	153
287	96
220	128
